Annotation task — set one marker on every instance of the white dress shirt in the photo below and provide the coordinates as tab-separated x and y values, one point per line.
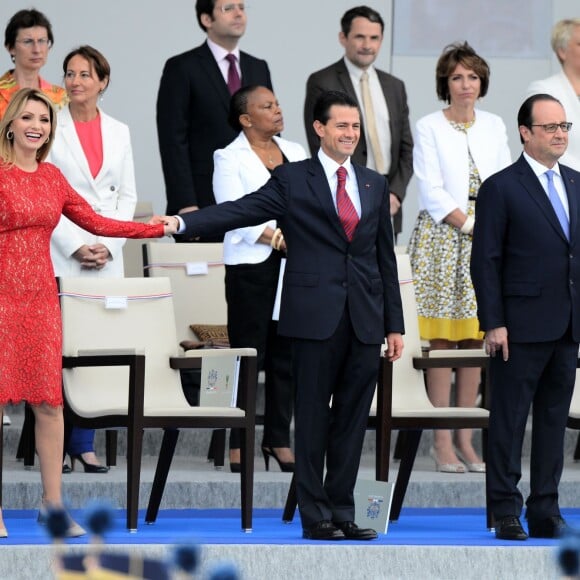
330	167
220	53
540	171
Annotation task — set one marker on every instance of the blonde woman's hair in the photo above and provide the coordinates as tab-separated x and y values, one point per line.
562	33
15	108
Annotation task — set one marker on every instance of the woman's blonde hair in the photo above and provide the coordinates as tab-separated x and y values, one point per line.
562	33
15	108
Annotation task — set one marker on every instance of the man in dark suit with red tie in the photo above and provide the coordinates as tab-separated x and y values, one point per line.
194	99
526	276
340	299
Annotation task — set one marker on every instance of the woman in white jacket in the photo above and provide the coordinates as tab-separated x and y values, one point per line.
94	153
455	150
253	258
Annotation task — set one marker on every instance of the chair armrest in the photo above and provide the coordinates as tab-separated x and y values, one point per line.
102	358
461	358
185	362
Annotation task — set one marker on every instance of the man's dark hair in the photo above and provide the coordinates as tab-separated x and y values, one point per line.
525	114
360	12
26	19
328	99
204	7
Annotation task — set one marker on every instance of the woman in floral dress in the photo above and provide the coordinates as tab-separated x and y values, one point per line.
33	195
455	150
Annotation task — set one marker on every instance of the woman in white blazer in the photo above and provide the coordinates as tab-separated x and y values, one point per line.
455	150
565	85
94	153
253	258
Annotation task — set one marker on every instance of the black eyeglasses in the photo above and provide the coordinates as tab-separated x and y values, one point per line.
553	127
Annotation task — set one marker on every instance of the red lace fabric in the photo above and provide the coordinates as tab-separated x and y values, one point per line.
30	323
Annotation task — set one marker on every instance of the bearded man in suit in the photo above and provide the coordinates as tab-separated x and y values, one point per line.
386	143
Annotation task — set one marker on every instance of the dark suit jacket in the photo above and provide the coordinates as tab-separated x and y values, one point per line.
192	122
525	273
323	270
336	78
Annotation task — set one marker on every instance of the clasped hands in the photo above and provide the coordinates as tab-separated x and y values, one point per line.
170	223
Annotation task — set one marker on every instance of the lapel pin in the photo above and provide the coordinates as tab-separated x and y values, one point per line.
367	185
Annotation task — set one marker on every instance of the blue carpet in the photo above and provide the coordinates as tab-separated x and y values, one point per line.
417	526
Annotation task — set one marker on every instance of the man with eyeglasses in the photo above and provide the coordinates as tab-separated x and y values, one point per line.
193	104
525	272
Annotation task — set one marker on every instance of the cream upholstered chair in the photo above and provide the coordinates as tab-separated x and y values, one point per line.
197	276
132	253
121	370
574	413
401	401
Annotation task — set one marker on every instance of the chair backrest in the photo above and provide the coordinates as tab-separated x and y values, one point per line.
408	382
146	325
575	404
132	252
197	276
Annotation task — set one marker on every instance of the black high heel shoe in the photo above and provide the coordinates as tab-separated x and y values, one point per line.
88	467
287	467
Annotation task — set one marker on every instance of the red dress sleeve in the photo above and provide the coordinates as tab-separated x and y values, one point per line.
81	213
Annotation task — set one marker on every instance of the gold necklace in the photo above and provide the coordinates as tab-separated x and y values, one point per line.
266	151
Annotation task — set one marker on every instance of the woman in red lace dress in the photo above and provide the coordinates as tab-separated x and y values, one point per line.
33	195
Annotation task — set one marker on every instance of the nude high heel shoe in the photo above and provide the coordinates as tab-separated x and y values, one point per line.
477	467
446	467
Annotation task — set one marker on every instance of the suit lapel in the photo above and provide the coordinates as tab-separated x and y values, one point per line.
72	140
533	186
572	193
345	80
214	75
319	186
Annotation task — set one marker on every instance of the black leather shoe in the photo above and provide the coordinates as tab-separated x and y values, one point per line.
66	468
352	532
323	530
552	527
510	528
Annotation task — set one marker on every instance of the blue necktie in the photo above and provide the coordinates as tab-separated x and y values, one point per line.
557	204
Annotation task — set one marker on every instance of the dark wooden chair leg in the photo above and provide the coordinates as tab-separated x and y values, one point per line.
217	448
27	443
399	446
247	477
134	450
412	444
291	502
111	447
170	437
577	450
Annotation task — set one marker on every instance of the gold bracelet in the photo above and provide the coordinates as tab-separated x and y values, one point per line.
275	238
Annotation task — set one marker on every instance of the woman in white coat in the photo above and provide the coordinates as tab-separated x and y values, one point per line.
455	150
253	258
565	85
94	153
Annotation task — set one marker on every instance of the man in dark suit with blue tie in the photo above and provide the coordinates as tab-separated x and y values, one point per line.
340	299
526	273
194	100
